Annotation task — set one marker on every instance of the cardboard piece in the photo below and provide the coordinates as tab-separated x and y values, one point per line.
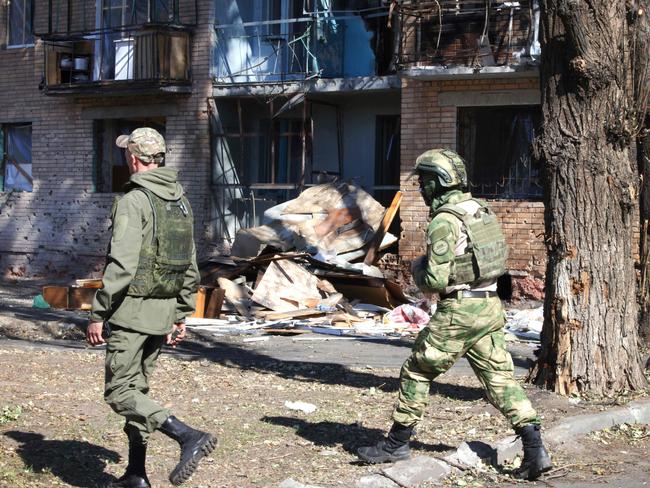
286	286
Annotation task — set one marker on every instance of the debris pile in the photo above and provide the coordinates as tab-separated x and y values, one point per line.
309	267
525	324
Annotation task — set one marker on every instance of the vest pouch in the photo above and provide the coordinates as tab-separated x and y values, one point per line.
487	252
142	282
168	276
488	245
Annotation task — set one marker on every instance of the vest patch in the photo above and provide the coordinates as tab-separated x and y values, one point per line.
440	248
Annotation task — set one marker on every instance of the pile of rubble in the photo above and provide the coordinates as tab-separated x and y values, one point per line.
310	267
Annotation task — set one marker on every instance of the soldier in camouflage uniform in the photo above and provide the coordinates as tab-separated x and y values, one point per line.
466	253
149	287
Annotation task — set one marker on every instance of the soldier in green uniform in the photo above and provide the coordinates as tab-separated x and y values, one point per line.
466	253
149	287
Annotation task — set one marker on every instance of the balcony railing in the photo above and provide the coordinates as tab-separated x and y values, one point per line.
327	46
151	57
472	33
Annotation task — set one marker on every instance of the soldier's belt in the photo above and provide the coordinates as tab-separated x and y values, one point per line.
469	294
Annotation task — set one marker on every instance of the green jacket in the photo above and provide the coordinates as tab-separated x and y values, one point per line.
132	224
433	272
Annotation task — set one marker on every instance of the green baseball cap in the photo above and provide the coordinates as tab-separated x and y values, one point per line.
144	143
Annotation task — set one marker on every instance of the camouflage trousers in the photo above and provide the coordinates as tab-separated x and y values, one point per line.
130	360
472	327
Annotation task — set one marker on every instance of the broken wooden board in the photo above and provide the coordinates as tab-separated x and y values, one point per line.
80	298
199	310
237	295
293	314
56	296
249	242
215	302
376	291
375	243
286	286
89	283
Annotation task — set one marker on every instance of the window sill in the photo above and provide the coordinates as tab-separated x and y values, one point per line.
19	46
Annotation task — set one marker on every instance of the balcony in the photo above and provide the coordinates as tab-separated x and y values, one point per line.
341	45
105	47
479	35
151	59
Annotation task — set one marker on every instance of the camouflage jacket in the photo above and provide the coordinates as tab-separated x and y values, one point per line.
132	224
433	271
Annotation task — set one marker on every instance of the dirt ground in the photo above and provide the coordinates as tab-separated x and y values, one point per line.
55	429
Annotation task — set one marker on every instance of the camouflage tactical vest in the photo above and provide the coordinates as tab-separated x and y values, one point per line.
486	254
165	260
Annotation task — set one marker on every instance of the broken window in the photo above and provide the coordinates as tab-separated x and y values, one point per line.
120	13
111	171
16	149
21	23
496	143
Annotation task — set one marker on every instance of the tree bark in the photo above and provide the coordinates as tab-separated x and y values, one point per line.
641	72
589	339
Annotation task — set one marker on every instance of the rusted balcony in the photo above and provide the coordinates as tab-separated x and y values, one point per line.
118	47
473	34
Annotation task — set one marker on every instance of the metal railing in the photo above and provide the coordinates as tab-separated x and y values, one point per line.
328	46
473	33
149	54
68	17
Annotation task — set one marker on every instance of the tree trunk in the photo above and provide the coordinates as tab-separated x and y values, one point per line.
641	71
589	339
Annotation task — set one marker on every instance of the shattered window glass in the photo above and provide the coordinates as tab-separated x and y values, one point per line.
496	143
17	157
21	23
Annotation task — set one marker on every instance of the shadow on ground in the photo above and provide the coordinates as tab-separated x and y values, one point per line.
231	355
76	463
349	436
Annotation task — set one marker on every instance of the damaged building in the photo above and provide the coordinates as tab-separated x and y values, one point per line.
259	100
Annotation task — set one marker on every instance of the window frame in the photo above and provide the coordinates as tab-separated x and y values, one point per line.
3	156
24	44
495	189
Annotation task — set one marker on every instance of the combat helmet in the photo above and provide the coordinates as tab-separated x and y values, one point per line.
445	164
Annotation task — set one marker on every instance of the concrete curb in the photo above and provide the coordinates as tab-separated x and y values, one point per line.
410	472
637	412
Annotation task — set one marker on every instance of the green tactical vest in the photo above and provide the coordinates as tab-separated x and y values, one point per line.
487	252
164	261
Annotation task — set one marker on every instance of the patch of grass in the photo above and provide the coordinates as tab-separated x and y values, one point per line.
10	414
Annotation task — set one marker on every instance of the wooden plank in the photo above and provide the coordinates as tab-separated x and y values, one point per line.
237	296
56	296
389	215
81	298
215	303
293	314
199	312
89	283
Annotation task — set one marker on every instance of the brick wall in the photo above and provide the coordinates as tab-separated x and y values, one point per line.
426	125
61	227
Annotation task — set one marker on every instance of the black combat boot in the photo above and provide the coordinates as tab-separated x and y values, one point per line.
393	448
194	446
135	475
536	460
